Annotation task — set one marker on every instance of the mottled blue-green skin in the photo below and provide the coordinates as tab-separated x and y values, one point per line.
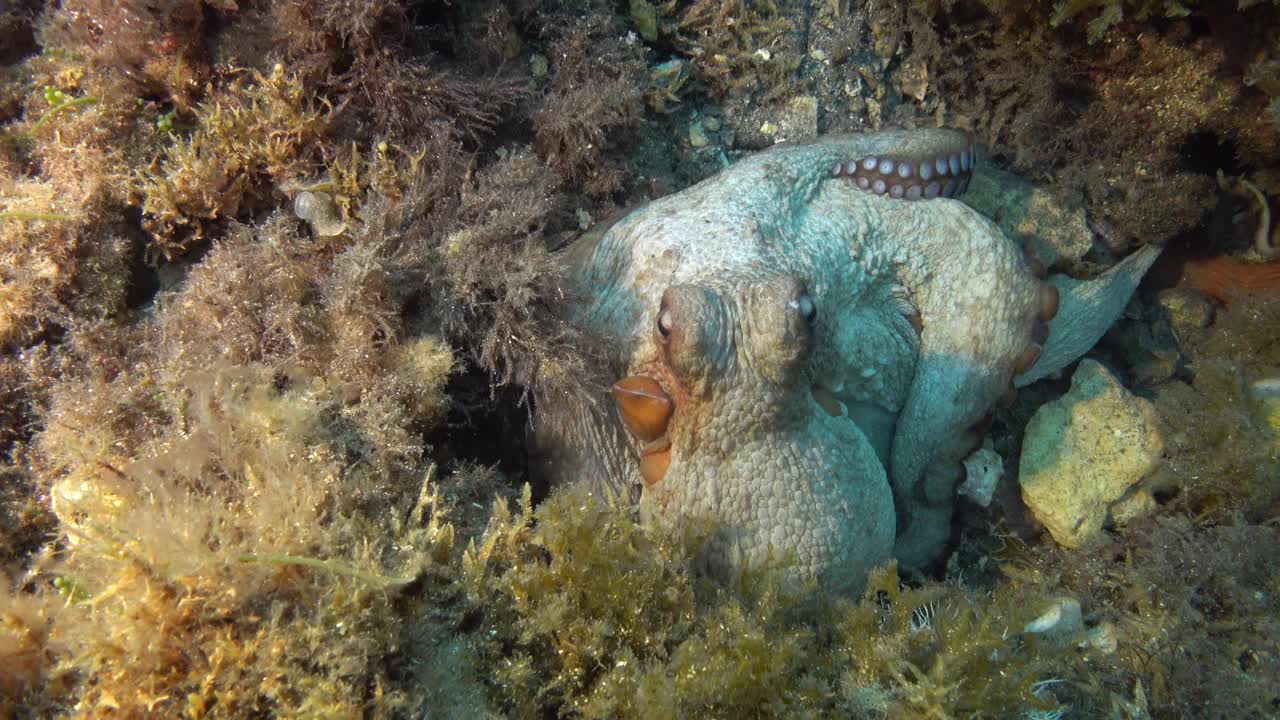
923	310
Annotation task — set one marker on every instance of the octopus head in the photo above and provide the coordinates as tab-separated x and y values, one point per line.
731	432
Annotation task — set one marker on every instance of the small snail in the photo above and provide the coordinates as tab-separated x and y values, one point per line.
321	214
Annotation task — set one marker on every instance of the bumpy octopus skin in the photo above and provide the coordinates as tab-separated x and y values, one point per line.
805	348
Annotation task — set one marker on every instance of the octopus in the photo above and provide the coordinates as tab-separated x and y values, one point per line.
804	349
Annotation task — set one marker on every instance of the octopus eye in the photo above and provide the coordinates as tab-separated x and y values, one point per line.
665	323
803	304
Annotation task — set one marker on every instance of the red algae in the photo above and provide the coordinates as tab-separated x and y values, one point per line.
1227	280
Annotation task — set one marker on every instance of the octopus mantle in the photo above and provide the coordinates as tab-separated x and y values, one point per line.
806	347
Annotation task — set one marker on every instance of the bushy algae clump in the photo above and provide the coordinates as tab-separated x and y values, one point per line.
732	43
1104	14
63	251
593	100
237	568
236	453
260	130
586	612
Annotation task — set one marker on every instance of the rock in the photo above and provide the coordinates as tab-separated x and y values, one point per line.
983	470
1151	345
801	118
697	135
666	80
1104	638
913	78
1265	394
798	120
1187	310
1082	453
1052	228
538	65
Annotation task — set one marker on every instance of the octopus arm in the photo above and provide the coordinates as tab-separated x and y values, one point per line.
1087	309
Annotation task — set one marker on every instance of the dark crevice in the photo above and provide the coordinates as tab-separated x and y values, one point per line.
484	426
1206	153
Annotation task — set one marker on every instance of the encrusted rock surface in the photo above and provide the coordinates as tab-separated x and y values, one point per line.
1054	230
1083	452
1188	311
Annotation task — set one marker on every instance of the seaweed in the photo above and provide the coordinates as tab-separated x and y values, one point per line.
28	678
942	651
587	612
1141	166
733	43
1106	14
333	321
1113	121
259	130
65	249
51	265
157	48
520	335
15	413
592	105
386	82
1211	587
234	564
1192	606
402	97
17	31
474	243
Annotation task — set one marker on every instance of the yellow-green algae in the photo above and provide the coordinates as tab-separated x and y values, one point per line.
249	444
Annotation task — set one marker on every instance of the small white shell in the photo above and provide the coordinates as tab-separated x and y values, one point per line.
321	214
1060	622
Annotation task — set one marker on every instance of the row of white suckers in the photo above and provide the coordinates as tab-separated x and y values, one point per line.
910	179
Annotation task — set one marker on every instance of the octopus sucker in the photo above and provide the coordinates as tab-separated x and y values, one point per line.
912	178
1028	358
1048	302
